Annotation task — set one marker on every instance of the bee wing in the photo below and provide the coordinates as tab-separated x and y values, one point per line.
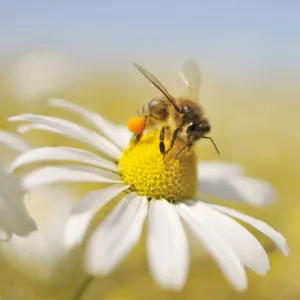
158	84
190	75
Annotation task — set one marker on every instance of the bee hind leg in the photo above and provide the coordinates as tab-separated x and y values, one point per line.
136	137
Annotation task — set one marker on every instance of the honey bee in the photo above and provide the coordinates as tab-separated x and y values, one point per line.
184	116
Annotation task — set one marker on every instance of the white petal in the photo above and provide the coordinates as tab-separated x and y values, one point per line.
14	218
225	257
61	153
4	234
167	246
244	244
223	180
13	142
72	130
117	235
28	127
261	226
83	213
209	170
10	185
47	175
119	135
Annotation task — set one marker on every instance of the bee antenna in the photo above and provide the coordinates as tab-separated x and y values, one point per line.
187	144
208	137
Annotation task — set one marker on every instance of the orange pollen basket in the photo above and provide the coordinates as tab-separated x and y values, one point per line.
136	124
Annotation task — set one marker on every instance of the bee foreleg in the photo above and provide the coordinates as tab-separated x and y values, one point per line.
137	137
162	147
174	136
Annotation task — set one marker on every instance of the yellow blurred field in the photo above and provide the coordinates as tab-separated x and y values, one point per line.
254	125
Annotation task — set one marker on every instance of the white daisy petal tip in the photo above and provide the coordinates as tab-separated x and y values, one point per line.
4	235
241	288
255	191
75	229
262	271
260	193
13	141
23	129
53	101
15	118
283	247
61	102
33	225
173	286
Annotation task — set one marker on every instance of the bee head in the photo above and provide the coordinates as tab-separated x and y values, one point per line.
196	130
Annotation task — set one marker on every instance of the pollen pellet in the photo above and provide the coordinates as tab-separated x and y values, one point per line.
136	124
174	178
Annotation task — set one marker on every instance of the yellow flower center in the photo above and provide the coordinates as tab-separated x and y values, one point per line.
143	167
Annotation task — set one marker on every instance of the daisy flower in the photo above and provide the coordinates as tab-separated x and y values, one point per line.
14	217
164	194
43	254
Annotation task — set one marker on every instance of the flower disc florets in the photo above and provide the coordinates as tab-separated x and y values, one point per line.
173	178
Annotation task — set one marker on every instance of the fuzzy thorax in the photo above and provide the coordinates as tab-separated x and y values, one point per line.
143	167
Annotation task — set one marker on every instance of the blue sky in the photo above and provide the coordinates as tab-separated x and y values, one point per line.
242	33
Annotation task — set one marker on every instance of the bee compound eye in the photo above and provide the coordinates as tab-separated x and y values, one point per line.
191	127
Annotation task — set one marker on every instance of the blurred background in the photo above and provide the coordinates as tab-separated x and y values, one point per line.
82	51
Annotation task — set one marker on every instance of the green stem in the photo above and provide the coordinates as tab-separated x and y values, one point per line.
82	288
